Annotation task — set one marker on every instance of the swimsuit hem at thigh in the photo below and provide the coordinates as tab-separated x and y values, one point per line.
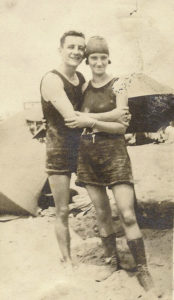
58	172
83	183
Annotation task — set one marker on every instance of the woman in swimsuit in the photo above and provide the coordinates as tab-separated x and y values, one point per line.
104	160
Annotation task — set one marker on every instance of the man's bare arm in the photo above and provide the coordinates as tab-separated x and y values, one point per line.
52	90
86	121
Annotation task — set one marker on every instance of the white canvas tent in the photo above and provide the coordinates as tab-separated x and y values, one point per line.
22	161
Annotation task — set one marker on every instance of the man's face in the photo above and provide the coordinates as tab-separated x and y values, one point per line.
72	51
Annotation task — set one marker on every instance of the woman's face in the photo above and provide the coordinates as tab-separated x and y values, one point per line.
98	63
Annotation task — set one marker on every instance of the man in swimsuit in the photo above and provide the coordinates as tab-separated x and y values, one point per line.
61	92
61	96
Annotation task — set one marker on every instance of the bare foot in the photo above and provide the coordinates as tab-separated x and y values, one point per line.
153	294
68	266
105	272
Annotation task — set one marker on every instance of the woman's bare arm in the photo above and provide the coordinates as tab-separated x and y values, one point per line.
120	114
87	119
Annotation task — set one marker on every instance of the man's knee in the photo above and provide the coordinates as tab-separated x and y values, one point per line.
128	218
62	213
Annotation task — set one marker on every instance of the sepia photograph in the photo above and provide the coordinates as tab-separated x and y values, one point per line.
86	149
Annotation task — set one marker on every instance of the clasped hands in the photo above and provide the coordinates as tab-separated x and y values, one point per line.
81	120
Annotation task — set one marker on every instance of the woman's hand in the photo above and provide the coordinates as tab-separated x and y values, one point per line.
80	121
120	115
124	118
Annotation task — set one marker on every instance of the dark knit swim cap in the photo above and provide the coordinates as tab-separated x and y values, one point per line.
96	44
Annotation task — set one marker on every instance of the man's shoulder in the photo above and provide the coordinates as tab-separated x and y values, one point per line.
80	76
51	84
84	86
50	78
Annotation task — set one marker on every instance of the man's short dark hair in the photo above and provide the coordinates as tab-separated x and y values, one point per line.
70	33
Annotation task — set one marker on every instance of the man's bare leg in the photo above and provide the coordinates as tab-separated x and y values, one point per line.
60	187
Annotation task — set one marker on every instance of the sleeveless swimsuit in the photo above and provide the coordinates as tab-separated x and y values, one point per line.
62	143
103	158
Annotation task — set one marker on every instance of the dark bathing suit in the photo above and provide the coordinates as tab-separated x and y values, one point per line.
103	157
62	143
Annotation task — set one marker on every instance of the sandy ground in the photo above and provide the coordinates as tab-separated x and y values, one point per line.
30	259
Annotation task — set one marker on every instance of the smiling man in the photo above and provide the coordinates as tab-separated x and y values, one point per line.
61	95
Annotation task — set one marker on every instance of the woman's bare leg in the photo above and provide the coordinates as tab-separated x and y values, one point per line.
101	203
125	197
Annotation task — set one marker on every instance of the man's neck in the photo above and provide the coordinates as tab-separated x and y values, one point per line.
68	71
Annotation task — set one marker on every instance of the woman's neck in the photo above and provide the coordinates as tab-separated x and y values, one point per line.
99	80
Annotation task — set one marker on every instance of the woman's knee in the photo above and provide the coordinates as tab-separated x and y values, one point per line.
128	217
102	214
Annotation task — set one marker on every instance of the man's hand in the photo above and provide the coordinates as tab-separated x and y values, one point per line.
79	114
80	121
